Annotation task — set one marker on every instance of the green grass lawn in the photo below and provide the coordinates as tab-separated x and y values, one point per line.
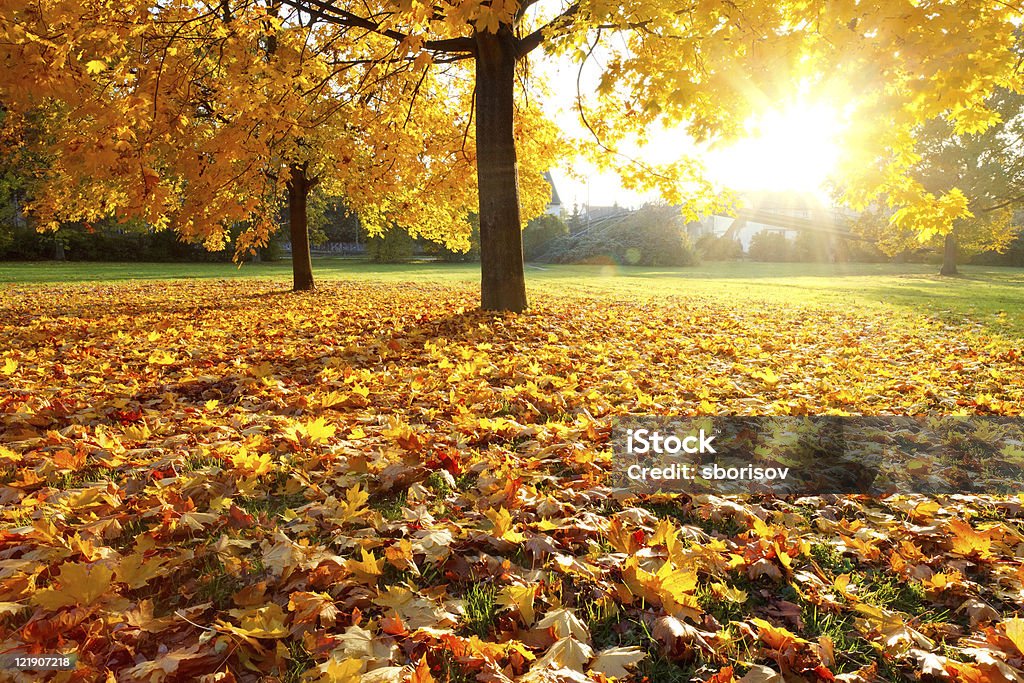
987	296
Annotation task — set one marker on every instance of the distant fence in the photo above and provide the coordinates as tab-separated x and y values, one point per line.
337	248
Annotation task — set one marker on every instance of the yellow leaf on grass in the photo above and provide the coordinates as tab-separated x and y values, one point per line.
318	430
341	671
252	463
621	539
564	623
966	541
259	622
520	598
670	586
354	505
502	526
1015	632
729	593
567	653
615	662
135	571
942	580
81	583
368	569
161	357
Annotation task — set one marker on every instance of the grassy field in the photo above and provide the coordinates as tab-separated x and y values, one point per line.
987	296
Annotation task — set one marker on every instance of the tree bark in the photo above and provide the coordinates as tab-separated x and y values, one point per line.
298	193
949	256
502	281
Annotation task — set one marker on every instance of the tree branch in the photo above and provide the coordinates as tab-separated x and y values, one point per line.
334	15
1003	204
532	41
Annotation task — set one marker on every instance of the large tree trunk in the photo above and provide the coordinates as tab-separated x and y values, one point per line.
502	282
298	192
949	256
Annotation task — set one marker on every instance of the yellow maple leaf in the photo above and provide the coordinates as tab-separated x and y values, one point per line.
10	365
520	598
502	526
135	571
724	591
564	623
81	583
1014	629
267	621
367	569
966	541
353	506
95	66
670	586
767	376
341	671
318	430
942	580
616	662
567	653
253	463
621	539
333	398
161	357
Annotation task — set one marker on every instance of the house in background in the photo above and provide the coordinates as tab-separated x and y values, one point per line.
554	207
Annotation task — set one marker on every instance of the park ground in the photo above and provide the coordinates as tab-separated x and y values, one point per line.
989	296
207	477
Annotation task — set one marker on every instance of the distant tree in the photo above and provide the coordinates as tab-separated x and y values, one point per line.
771	245
654	235
540	232
391	246
339	223
988	167
812	246
719	248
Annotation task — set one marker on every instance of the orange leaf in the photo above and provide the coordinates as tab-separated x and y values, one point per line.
422	673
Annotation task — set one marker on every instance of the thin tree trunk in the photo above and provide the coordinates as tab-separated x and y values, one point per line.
302	264
502	281
949	256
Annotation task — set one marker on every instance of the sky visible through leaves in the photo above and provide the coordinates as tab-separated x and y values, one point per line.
222	481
